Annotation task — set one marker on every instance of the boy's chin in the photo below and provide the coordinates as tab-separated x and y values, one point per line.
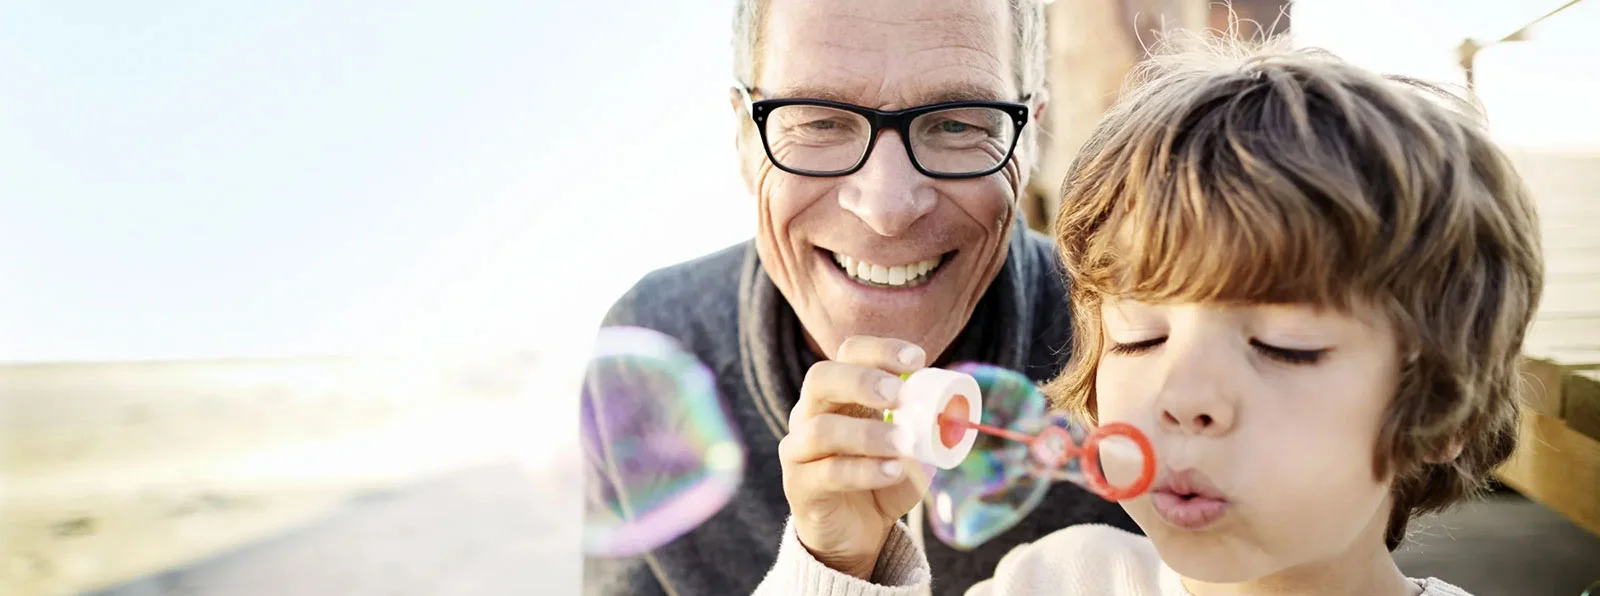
1209	557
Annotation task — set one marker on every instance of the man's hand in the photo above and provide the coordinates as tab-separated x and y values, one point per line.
844	469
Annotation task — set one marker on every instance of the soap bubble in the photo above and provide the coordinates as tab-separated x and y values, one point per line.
662	453
1052	454
996	486
1004	478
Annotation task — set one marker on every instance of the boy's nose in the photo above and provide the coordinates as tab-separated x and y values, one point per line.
1195	397
1196	418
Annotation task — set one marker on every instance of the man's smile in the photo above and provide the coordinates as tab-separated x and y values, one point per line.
903	275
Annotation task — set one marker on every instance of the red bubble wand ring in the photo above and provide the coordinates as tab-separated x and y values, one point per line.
1053	448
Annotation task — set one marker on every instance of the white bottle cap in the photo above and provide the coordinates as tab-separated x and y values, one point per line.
928	393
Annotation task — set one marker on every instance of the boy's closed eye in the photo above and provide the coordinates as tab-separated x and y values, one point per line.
1281	354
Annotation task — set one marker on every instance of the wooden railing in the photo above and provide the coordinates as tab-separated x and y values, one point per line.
1558	460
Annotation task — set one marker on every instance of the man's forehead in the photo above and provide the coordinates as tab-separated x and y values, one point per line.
925	92
908	52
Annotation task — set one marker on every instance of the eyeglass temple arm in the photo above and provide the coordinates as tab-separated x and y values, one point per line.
745	94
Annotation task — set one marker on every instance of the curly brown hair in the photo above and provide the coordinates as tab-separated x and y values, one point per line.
1264	174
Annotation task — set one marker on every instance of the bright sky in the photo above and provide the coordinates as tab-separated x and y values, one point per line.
250	178
1539	94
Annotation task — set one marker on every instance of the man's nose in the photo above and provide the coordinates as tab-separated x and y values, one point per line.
1195	396
888	193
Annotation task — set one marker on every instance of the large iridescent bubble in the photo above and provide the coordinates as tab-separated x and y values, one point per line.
662	454
1022	449
995	486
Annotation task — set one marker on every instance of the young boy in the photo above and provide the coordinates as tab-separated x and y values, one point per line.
1309	285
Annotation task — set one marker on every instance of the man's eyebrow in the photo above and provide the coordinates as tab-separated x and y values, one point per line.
821	93
962	92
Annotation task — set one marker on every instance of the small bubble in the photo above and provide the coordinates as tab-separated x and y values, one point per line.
1003	480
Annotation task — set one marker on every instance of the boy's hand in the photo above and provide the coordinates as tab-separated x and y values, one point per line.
844	469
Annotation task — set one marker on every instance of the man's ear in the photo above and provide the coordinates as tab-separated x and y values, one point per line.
744	139
1038	137
1041	102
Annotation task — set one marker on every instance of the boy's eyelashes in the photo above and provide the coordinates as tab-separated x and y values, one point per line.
1285	355
1137	347
1288	355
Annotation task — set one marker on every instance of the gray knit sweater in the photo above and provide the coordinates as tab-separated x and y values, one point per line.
725	309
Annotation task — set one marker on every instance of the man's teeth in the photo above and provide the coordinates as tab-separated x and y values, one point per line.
898	275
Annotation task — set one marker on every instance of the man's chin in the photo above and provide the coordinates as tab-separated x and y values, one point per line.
931	338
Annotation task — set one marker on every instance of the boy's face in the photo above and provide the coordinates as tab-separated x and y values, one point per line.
1272	413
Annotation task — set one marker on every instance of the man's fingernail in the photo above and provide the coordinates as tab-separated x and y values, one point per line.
892	468
901	438
911	355
889	390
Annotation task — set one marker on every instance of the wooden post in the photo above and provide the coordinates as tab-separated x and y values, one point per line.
1250	19
1093	44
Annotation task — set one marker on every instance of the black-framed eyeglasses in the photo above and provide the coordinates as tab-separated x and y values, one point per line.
814	137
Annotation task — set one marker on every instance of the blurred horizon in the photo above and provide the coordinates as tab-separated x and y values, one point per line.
257	180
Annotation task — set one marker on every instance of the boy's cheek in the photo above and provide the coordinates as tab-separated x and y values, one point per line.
1117	397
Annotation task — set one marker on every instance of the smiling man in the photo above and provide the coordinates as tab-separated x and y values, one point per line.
887	144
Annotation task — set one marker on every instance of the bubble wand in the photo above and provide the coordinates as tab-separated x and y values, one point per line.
941	409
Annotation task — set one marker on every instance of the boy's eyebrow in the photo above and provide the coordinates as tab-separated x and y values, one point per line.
1116	306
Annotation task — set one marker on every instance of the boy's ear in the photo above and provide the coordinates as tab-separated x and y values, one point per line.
1450	452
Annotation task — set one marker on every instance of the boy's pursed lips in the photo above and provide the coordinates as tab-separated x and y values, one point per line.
1187	499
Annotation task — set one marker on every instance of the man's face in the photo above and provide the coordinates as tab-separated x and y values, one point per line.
939	241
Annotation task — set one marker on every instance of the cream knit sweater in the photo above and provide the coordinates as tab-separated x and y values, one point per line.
1082	559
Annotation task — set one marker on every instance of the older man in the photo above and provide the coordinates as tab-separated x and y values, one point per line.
886	144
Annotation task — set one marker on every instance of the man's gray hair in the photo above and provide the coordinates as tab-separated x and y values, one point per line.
1027	26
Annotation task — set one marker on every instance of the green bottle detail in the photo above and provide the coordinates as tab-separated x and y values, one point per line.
888	415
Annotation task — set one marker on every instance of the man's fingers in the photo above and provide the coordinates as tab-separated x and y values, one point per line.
828	435
891	355
842	474
863	377
832	386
